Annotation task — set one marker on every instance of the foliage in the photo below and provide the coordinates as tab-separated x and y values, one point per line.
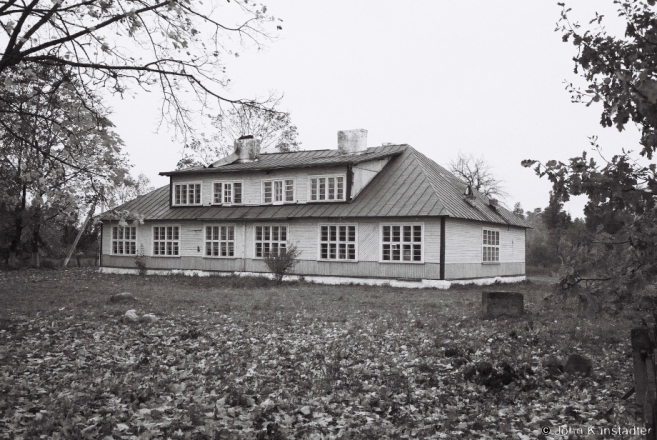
172	47
620	73
282	262
128	189
58	154
518	211
477	173
274	129
285	362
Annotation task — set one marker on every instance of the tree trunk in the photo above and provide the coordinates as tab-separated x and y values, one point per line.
36	261
13	261
84	226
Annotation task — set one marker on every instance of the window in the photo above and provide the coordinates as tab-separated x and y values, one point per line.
337	242
491	246
187	194
166	241
270	240
401	243
220	241
327	188
124	240
278	191
227	193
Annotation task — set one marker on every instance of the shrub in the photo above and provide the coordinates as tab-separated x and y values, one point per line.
48	264
282	263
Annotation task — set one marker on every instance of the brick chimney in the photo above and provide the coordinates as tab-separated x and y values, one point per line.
247	148
352	141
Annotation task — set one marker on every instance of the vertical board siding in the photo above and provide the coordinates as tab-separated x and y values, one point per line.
466	271
368	241
463	242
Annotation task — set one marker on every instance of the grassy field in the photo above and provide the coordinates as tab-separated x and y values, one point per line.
244	358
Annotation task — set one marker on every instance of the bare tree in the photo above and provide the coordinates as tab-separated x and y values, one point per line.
274	128
475	172
173	46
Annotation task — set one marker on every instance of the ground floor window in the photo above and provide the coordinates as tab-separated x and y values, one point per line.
124	240
220	241
337	242
270	240
401	243
491	246
166	241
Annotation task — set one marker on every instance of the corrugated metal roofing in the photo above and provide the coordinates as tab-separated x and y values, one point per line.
297	159
410	185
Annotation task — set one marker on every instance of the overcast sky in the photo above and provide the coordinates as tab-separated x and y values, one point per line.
483	77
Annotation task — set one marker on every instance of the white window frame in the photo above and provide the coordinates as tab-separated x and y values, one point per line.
166	240
485	245
335	188
270	241
219	240
337	253
283	191
173	194
223	184
122	240
402	242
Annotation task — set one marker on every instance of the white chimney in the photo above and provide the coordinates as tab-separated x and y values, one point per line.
247	148
352	141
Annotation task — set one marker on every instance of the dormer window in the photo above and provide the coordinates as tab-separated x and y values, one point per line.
278	191
227	193
327	188
186	194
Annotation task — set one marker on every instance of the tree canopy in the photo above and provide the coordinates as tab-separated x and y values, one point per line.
620	73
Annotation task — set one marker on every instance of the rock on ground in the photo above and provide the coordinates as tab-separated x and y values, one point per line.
123	297
132	315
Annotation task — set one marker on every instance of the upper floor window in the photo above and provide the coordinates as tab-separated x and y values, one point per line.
491	246
337	242
187	194
124	240
227	193
401	243
327	188
166	241
278	191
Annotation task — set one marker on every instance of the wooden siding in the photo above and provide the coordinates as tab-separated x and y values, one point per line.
463	242
303	233
252	182
364	173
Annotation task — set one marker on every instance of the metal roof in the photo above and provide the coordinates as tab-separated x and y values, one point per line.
410	185
297	159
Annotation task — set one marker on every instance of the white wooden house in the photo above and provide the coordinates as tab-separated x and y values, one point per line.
357	214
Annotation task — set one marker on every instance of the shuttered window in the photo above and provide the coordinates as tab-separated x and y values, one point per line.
166	241
491	246
402	243
270	240
124	240
337	242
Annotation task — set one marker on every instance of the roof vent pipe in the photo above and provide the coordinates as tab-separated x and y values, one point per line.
247	148
352	141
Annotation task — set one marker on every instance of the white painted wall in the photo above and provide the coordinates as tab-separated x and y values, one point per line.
463	242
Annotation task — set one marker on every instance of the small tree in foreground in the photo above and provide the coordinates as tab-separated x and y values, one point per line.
281	263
